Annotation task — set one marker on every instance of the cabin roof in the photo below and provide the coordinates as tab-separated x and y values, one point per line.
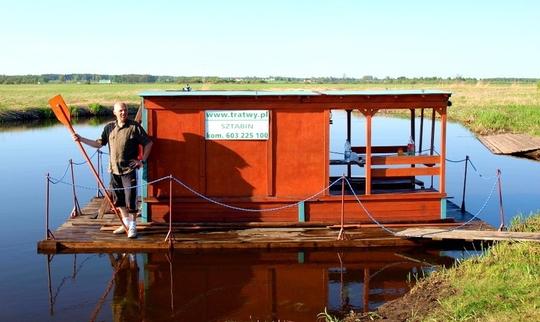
293	93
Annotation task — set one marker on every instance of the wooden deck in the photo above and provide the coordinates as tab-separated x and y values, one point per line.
510	143
468	235
89	234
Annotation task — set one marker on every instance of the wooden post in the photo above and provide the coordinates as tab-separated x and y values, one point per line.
432	143
368	152
349	139
341	234
442	179
421	131
169	236
413	125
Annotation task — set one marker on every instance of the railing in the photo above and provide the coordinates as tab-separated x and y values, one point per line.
428	161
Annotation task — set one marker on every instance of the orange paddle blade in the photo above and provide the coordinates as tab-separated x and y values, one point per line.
60	109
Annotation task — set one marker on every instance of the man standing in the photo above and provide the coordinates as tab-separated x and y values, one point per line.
123	137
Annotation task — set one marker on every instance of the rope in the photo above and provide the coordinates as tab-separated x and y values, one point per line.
92	188
479	174
366	211
249	209
475	216
456	161
170	177
84	162
208	198
55	181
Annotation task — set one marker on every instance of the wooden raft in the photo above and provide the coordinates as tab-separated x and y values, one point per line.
89	233
510	143
468	235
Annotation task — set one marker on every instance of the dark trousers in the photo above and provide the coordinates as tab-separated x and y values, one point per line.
125	190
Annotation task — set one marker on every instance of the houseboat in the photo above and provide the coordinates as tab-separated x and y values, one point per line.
264	156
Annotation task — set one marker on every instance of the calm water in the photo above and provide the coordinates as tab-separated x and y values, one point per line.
218	286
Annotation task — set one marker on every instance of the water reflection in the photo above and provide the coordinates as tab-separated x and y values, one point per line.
257	285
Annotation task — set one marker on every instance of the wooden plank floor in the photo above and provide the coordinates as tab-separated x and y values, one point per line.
86	234
468	235
510	143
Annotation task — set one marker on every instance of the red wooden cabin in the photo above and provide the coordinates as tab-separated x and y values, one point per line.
263	150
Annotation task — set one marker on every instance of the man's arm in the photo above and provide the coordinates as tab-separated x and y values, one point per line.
93	143
146	152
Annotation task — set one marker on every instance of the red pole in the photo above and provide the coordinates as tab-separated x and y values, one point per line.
76	208
501	209
47	231
169	234
98	167
342	230
100	183
464	184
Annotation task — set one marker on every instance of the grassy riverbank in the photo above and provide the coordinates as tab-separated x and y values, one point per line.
500	285
484	108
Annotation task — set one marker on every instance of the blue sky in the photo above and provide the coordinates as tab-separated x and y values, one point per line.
267	38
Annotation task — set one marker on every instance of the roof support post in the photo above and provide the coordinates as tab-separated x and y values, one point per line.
420	139
349	139
413	125
442	179
368	113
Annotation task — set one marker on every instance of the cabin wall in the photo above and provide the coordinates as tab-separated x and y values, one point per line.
243	168
301	145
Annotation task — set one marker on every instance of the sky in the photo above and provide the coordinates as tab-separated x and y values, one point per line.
234	38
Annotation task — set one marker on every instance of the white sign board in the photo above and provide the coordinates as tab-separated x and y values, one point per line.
236	124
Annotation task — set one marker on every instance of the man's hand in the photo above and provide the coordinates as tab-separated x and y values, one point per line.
76	137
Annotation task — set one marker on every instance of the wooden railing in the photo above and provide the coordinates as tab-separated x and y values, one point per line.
427	166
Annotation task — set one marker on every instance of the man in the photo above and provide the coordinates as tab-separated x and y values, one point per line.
123	137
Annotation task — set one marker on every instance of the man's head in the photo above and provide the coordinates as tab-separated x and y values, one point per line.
120	111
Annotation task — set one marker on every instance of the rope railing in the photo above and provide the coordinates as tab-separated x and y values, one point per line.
344	179
366	211
250	209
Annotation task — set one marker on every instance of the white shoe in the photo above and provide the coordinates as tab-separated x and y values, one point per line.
132	230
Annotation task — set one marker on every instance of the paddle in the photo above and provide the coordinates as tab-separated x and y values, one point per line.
63	115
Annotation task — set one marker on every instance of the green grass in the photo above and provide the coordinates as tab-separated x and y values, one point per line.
484	108
501	285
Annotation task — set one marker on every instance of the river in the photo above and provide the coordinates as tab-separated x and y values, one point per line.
215	286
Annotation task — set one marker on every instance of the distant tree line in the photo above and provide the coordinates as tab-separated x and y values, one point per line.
138	78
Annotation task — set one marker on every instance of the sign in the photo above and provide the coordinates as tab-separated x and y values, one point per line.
237	125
